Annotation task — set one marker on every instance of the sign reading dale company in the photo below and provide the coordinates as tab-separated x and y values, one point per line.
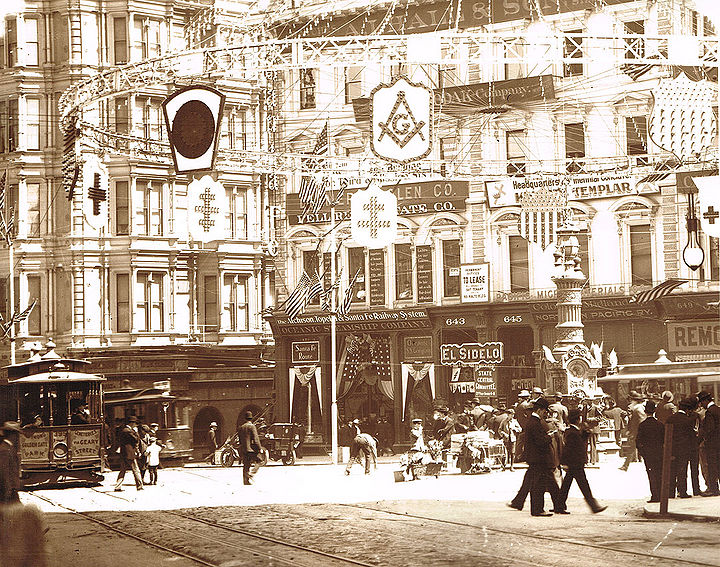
474	283
471	353
305	352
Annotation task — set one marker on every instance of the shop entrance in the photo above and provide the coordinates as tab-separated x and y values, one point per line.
517	371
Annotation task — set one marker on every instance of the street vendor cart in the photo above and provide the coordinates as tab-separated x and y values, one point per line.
478	451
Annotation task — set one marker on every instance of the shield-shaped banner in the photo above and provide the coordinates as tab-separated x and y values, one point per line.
373	217
401	115
543	211
709	198
206	209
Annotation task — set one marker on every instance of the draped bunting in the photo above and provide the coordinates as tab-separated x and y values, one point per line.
304	374
365	359
417	372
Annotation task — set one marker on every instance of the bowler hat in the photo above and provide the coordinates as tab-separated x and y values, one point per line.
704	395
417	420
541	403
10	426
524	394
537	390
686	404
667	395
132	419
213	424
442	409
248	415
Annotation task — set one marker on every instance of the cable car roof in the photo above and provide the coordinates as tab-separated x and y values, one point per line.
136	395
61	376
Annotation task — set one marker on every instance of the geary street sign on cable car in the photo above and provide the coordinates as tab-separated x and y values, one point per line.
472	353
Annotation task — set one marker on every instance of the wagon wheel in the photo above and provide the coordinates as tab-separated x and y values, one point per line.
227	458
289	459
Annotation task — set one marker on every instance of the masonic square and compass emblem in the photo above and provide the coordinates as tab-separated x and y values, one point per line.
401	121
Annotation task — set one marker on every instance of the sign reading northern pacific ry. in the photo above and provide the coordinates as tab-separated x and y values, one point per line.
417	198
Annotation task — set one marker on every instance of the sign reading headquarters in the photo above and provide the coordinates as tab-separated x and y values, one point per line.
418	198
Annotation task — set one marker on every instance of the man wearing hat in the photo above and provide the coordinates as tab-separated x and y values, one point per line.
559	410
9	463
650	440
665	408
128	441
443	427
683	440
710	434
249	448
636	412
539	456
212	441
537	392
523	409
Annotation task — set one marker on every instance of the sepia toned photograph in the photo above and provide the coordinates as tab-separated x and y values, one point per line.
359	282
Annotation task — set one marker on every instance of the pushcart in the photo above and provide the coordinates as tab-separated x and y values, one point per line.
477	451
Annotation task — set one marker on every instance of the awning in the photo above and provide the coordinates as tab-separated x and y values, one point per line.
709	376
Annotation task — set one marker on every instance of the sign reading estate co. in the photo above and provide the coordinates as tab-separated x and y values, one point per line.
419	198
305	352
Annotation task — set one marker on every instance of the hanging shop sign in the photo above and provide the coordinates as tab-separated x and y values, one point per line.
206	210
471	353
305	352
484	12
485	381
401	116
373	217
417	198
475	283
417	349
508	191
480	96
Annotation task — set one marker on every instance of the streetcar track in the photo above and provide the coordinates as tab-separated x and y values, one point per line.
642	554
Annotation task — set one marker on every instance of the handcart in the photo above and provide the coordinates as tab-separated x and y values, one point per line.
417	464
478	452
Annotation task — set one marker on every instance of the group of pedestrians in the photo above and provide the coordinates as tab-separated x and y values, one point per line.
695	446
138	448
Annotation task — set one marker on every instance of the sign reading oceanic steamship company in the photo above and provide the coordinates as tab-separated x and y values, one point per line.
381	320
417	198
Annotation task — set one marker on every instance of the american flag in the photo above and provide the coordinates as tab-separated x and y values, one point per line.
24	314
313	194
660	290
5	227
316	287
299	298
344	307
543	211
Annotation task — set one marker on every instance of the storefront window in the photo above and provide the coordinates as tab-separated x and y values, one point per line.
403	271
356	264
640	255
451	268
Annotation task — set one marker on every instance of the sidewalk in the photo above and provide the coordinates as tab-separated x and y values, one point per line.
697	509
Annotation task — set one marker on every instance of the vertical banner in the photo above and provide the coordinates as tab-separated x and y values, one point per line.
424	273
377	276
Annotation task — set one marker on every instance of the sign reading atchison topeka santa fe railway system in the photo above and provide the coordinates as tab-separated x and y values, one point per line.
381	320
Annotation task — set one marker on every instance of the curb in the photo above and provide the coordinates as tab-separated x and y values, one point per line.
679	516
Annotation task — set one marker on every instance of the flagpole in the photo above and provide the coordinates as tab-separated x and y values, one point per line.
333	353
11	309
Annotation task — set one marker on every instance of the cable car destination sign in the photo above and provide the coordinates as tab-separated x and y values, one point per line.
472	353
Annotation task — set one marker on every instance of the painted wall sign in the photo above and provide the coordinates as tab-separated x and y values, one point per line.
696	336
376	259
419	198
467	98
424	273
417	349
475	283
385	320
597	310
305	352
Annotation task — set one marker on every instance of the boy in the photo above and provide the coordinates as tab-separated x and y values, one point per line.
153	458
574	457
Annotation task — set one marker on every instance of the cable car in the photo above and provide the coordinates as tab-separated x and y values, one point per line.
59	407
152	406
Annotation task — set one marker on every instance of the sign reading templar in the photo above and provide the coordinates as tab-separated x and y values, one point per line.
472	353
373	217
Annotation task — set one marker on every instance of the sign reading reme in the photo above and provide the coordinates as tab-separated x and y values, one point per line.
206	209
401	115
472	353
306	352
474	284
373	217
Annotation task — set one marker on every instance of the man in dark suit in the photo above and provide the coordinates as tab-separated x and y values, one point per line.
9	463
650	440
127	443
710	433
249	447
538	454
574	458
683	440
